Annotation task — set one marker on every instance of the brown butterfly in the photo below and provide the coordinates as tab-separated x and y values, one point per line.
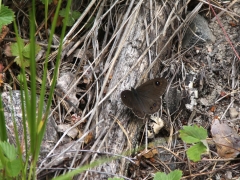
145	99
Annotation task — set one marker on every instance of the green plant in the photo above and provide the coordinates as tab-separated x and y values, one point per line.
174	175
34	114
73	16
10	163
196	136
115	178
25	51
6	16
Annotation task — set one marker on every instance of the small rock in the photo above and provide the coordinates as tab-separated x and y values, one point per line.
12	106
171	103
233	113
199	27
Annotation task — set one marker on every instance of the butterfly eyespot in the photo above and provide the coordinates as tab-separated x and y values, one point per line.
154	104
157	83
151	108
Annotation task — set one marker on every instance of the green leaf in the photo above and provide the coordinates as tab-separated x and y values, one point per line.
25	53
73	16
193	134
15	49
26	50
6	16
20	77
174	175
13	168
1	165
9	150
206	145
22	63
159	176
195	151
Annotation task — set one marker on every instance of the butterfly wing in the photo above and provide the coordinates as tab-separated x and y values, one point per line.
146	98
139	113
149	93
131	101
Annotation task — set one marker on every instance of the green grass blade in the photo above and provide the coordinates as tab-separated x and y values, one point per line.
32	108
42	122
3	131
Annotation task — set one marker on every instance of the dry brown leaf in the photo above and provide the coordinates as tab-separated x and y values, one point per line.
149	153
4	32
1	74
153	160
226	139
88	138
1	80
137	162
213	109
233	23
